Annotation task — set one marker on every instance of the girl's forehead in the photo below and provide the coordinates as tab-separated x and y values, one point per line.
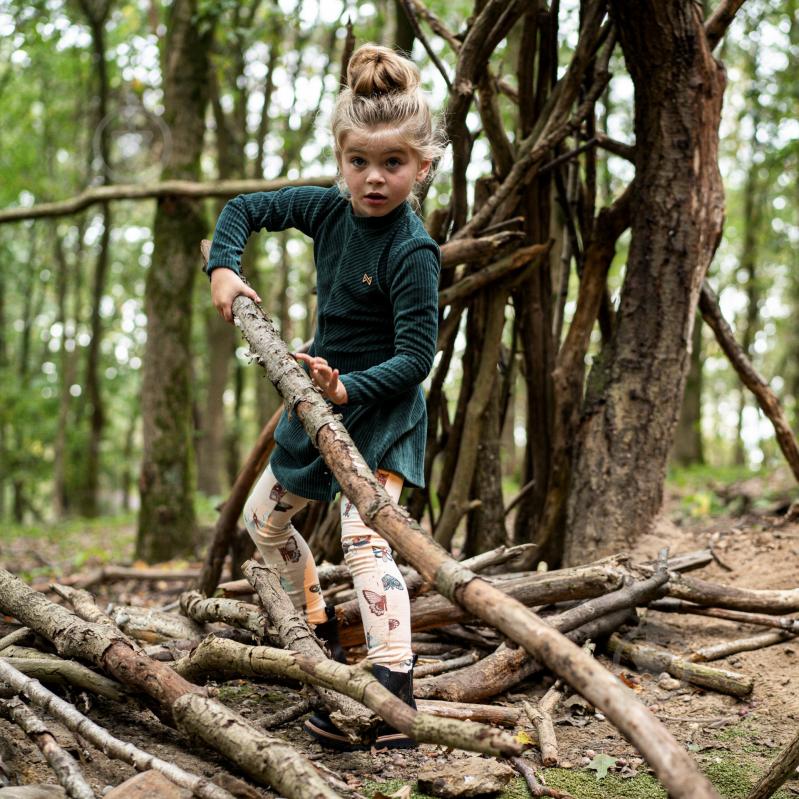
376	140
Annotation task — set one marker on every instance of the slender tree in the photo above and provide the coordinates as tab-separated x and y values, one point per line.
166	517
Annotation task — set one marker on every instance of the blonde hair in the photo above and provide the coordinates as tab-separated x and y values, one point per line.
384	89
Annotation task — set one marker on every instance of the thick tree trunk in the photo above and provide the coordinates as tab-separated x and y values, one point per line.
166	518
635	389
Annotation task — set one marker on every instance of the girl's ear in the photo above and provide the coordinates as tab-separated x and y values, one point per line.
424	169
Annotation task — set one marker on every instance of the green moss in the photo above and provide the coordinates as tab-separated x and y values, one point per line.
583	784
734	776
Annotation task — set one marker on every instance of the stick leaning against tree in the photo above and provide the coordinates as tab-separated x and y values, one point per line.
674	767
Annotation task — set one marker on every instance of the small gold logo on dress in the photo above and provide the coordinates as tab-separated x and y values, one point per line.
366	279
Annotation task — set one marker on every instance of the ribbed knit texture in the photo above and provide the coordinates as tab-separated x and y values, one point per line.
377	322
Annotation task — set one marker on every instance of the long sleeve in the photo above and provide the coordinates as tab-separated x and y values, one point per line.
301	207
412	283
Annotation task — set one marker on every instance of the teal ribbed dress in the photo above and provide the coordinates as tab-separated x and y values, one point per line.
377	323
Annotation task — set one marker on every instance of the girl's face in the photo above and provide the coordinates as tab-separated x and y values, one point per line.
379	169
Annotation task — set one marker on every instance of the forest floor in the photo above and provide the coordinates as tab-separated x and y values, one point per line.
732	739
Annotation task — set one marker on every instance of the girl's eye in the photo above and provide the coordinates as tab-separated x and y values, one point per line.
357	161
393	162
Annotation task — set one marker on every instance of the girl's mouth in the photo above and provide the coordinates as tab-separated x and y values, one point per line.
375	197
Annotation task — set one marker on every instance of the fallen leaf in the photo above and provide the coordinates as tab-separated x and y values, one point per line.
601	764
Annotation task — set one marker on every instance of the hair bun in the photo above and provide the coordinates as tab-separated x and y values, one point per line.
374	69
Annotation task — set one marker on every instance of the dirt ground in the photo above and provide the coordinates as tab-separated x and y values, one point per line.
732	739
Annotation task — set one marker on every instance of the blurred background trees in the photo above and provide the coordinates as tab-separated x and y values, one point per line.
91	93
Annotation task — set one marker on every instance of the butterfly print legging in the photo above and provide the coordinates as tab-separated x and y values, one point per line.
379	585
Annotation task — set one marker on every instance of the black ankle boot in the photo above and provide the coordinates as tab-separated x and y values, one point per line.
400	683
327	633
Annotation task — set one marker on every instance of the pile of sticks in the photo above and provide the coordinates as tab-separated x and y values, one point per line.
162	660
507	626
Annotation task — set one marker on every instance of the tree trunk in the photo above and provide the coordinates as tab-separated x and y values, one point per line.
97	14
166	518
635	389
688	448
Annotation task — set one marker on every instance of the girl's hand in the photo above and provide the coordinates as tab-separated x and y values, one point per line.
226	285
324	377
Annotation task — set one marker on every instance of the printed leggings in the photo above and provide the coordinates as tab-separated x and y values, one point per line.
379	585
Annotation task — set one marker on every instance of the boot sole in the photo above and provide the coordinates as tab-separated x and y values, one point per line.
393	740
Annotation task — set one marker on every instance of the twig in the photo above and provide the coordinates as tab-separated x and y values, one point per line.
63	764
14	638
444	666
408	8
536	788
286	714
727	648
653	659
68	715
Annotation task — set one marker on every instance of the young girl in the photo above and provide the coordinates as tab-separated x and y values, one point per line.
377	285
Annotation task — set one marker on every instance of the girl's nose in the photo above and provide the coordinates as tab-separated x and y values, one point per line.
375	176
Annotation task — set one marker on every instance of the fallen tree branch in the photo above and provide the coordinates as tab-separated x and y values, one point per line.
75	721
230	611
63	764
674	767
538	588
536	788
56	670
702	592
267	759
218	657
292	633
727	648
763	619
654	659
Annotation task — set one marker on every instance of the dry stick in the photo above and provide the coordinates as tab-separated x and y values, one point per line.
541	716
328	576
675	767
63	764
780	770
75	721
54	670
524	257
507	667
654	659
750	377
291	632
677	606
14	638
540	588
428	669
110	574
152	626
268	760
286	714
230	611
221	657
702	592
536	788
727	648
469	711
